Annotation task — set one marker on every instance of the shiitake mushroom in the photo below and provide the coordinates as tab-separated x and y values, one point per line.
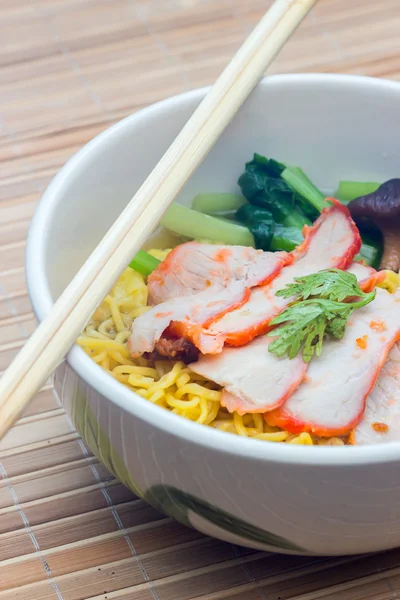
382	209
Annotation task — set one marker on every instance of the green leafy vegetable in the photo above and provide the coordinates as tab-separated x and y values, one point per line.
293	200
144	263
311	199
260	222
285	238
268	235
262	186
317	310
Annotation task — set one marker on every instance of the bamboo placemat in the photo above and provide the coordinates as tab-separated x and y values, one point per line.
69	69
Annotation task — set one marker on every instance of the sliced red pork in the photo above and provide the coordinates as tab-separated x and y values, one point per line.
331	400
193	267
192	314
331	242
367	277
209	343
254	379
381	420
196	284
174	348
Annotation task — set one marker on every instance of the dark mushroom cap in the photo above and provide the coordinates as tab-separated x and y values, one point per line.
382	208
381	205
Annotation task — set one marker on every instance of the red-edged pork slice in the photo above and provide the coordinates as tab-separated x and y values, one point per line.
193	267
331	400
362	272
191	314
367	277
254	380
210	343
332	242
381	420
251	319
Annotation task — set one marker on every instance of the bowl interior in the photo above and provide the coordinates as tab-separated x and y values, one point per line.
333	127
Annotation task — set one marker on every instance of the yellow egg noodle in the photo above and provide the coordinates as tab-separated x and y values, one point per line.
171	384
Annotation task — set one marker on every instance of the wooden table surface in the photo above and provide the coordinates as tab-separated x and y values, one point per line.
68	70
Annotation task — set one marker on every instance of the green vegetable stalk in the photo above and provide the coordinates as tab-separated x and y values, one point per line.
300	183
350	190
195	225
217	203
144	263
280	201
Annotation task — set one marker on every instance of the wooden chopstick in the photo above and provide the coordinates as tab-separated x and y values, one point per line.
57	333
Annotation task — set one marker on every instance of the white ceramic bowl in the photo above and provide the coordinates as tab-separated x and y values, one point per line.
306	500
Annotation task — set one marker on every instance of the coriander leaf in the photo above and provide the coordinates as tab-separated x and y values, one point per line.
336	327
304	325
332	284
314	339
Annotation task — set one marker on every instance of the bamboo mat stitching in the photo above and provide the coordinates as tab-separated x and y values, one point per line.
15	147
13	310
334	41
167	56
76	68
249	573
109	502
29	531
171	56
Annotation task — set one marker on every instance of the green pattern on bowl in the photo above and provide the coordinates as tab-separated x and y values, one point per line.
90	430
178	504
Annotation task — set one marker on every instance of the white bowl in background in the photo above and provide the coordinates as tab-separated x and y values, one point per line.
296	499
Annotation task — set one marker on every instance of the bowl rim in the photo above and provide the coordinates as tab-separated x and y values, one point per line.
121	396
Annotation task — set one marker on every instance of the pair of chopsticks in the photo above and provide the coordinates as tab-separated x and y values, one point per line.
57	333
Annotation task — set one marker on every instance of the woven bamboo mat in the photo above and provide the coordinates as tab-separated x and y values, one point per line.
69	69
